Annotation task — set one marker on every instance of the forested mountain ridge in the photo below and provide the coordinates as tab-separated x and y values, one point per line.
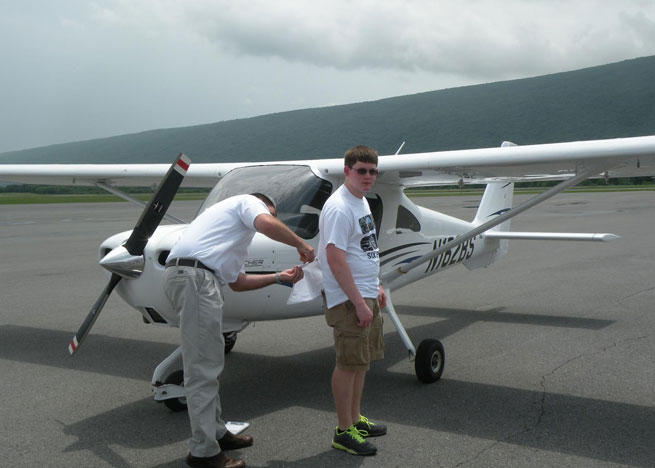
608	101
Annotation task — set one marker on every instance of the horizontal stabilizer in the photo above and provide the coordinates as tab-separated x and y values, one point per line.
552	236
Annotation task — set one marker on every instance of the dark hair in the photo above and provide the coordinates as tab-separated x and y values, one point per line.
362	154
265	198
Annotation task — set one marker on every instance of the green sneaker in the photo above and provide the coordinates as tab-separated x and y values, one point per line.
367	428
351	442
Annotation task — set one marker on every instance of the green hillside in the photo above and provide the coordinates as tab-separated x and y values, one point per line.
615	100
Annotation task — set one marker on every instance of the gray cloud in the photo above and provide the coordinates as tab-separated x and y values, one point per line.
483	38
75	71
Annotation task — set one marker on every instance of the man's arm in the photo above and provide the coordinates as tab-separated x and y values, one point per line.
249	282
276	230
336	259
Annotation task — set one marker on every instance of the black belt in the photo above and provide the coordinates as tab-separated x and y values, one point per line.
189	262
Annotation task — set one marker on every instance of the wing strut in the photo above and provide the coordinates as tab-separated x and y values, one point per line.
430	356
401	270
137	202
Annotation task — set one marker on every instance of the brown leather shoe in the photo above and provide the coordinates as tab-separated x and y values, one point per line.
234	442
217	461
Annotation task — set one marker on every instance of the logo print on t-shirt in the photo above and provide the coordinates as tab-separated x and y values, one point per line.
369	243
366	224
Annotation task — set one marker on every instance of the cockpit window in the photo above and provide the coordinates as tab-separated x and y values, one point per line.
405	219
298	194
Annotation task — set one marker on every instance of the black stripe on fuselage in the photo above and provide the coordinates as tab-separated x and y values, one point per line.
387	252
391	259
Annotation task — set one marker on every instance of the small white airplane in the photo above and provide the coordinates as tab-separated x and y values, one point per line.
414	242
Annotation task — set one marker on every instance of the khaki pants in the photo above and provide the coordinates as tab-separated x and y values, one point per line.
196	296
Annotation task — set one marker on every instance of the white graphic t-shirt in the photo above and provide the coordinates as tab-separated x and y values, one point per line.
346	222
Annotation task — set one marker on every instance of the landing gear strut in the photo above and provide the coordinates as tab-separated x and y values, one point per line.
230	341
176	404
430	359
170	390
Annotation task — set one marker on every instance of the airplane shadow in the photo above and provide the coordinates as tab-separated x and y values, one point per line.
329	458
497	315
255	385
103	354
140	424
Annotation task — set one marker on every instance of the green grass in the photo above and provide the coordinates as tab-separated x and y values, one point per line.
35	198
449	192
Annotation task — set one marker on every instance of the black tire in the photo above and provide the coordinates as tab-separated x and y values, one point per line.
176	404
230	341
430	361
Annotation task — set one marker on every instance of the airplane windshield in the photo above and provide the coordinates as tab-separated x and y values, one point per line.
297	192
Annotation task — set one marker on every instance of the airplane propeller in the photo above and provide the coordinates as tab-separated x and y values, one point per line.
150	218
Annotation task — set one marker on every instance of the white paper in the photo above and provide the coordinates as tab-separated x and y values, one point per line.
310	286
236	428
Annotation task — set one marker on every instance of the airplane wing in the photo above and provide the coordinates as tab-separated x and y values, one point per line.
621	157
122	175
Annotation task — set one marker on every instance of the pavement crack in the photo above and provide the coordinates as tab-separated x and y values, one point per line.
634	294
544	390
542	398
477	455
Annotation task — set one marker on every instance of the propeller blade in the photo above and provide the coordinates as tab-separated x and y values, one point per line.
145	226
156	208
93	315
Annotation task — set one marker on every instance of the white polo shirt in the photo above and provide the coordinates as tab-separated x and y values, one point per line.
221	235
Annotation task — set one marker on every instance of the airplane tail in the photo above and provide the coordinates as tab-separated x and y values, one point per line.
496	200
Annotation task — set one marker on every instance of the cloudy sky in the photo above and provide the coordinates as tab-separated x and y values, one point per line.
76	70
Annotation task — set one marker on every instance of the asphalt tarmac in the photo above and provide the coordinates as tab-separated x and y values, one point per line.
550	355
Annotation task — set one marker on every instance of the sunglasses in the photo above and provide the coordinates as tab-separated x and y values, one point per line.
362	171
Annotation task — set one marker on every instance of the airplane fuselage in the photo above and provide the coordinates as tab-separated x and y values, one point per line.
405	232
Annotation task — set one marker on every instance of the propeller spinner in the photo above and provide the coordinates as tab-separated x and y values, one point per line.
133	248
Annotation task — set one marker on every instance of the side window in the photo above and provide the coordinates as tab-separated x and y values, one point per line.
405	219
375	203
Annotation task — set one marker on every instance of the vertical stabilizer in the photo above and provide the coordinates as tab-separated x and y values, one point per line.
496	200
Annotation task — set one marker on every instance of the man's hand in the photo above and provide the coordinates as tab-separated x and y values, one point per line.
382	297
364	315
306	252
275	229
292	275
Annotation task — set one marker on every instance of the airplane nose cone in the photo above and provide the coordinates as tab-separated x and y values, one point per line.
123	263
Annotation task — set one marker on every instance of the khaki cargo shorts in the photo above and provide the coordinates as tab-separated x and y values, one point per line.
355	346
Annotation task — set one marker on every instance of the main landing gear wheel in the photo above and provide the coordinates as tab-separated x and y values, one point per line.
176	404
430	361
230	341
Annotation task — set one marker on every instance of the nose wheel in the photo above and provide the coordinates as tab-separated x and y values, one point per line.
230	341
176	404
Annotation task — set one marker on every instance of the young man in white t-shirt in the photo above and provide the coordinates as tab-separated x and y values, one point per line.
349	258
210	254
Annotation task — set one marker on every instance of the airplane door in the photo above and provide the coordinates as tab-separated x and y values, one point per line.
375	203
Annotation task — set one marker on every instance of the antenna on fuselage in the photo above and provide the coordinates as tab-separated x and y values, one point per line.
401	147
